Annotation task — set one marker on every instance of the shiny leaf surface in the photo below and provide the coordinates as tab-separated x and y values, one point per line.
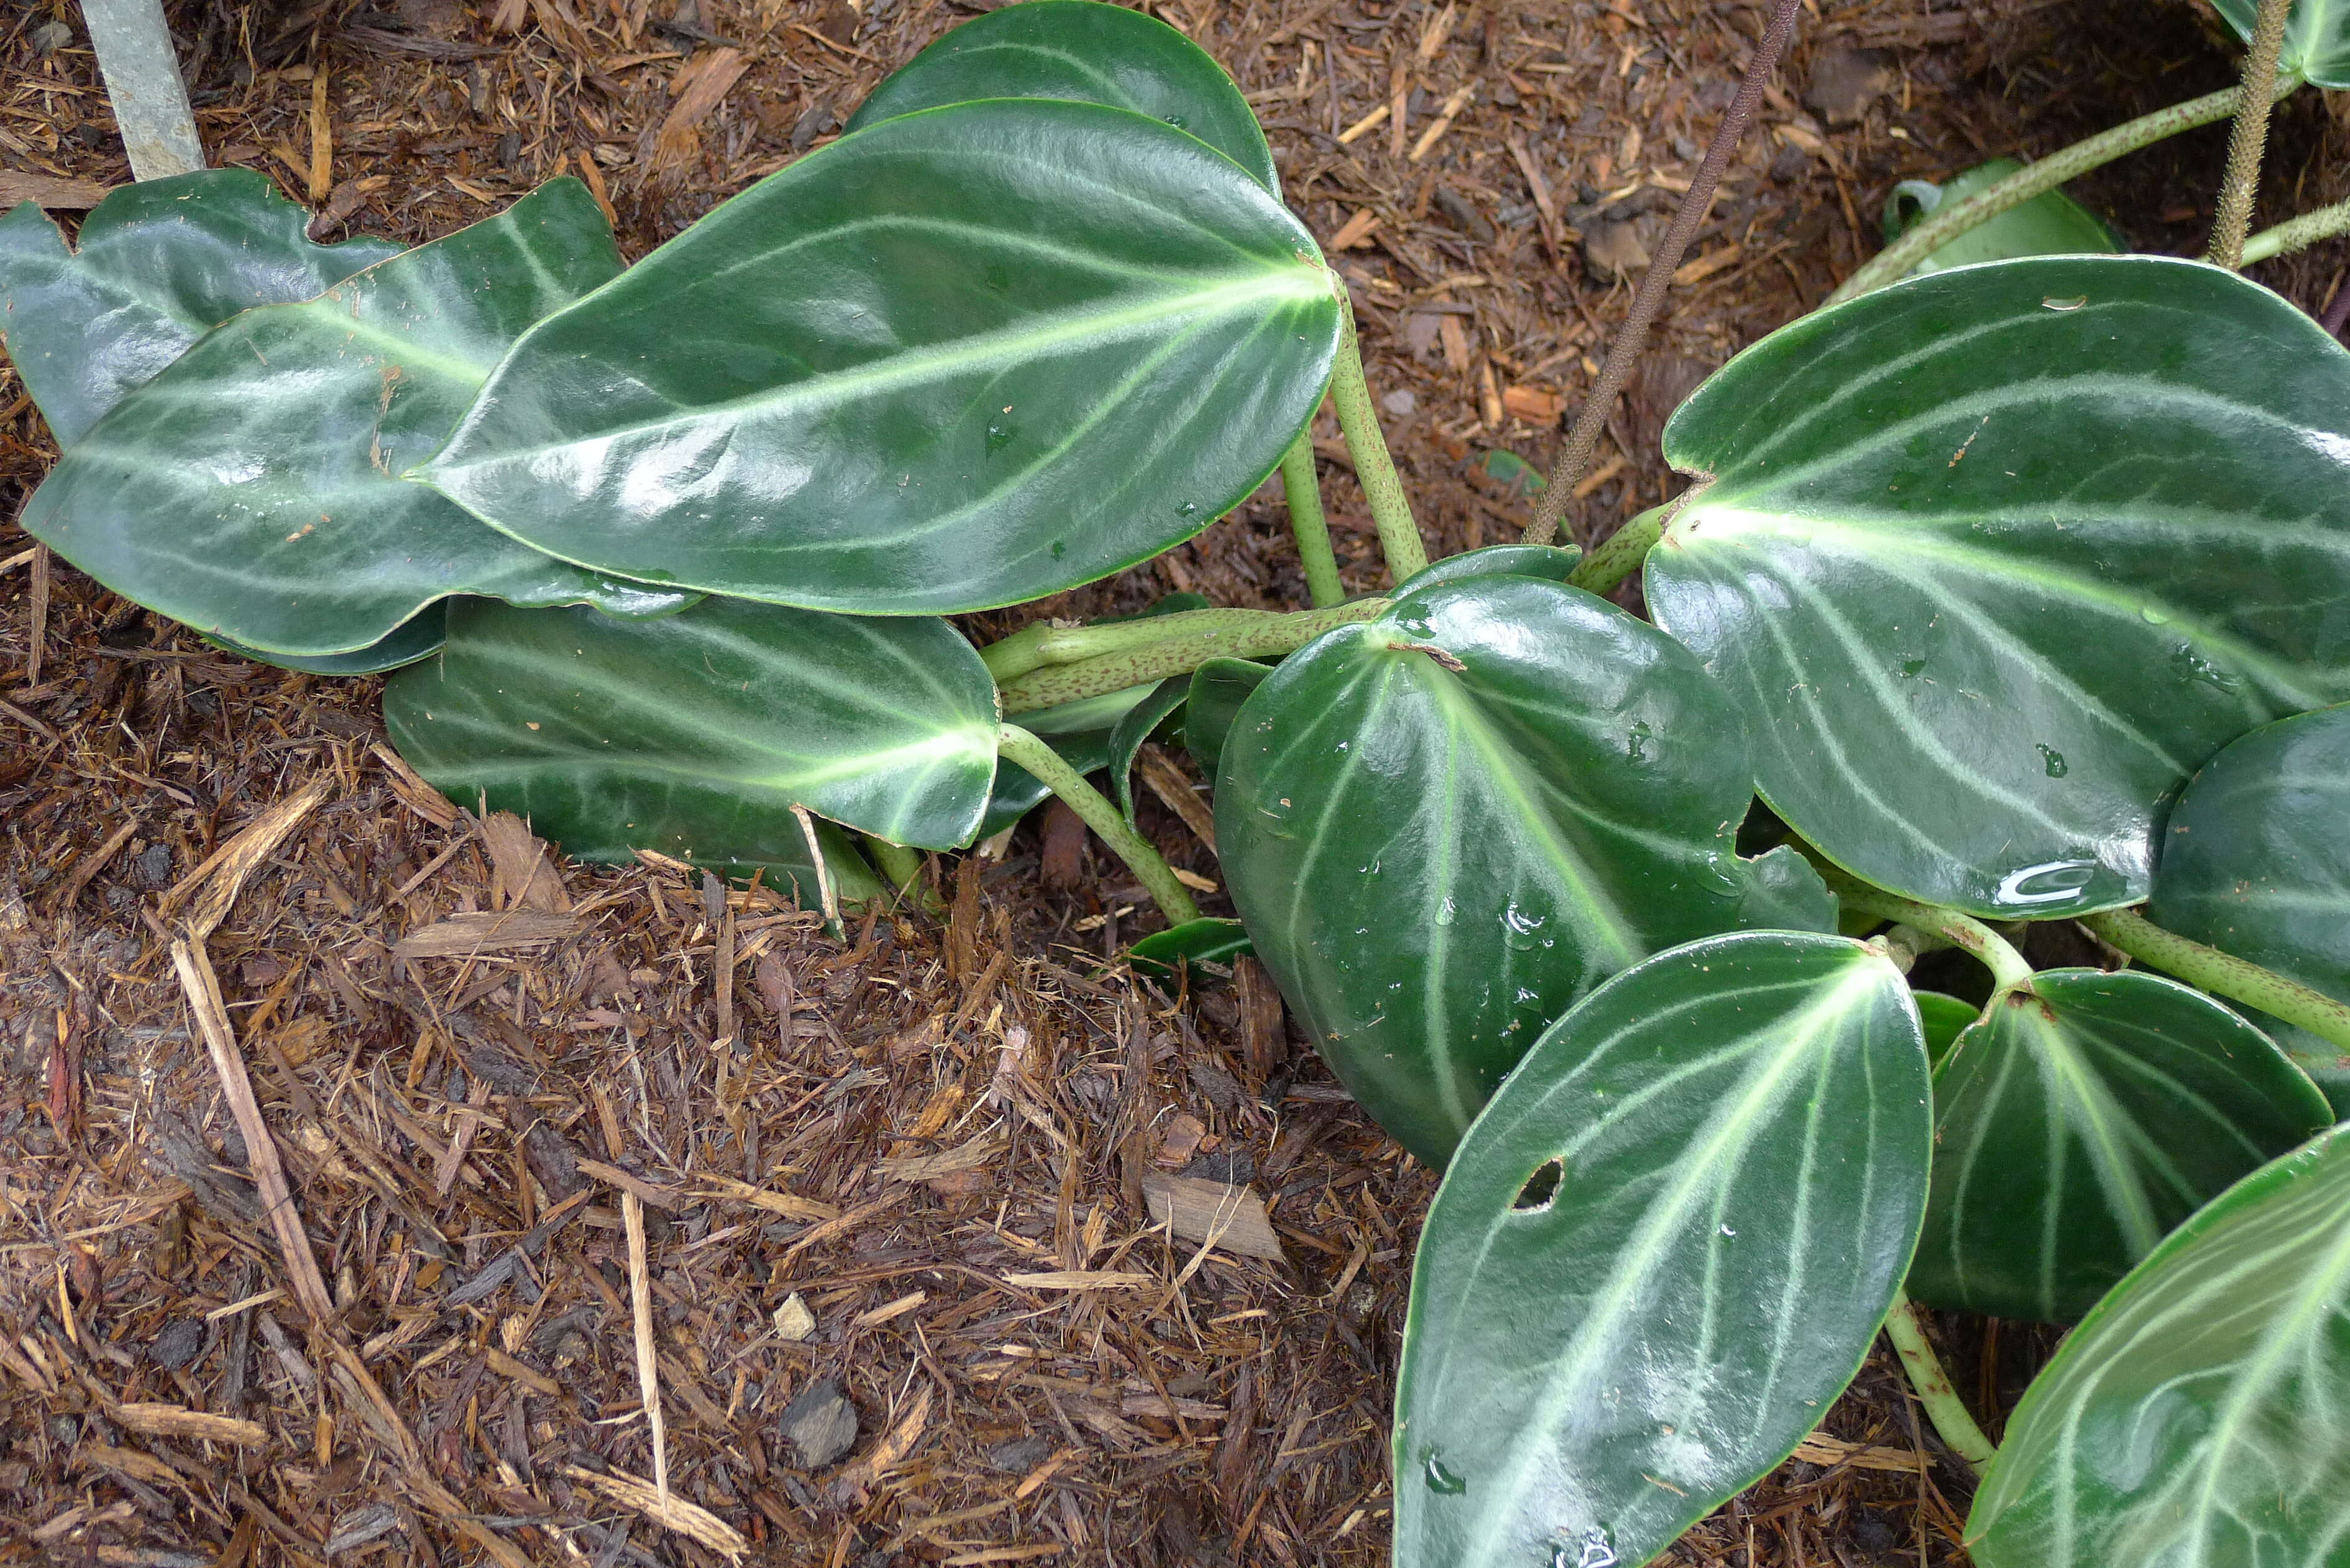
696	734
419	637
1218	689
1994	559
1207	939
156	265
1552	563
252	488
2050	225
962	359
2316	38
1444	825
2194	1419
1084	51
2255	862
1660	1253
2077	1124
1944	1018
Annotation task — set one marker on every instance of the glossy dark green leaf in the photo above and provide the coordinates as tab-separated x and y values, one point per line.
962	359
1218	689
696	734
1146	718
1994	559
2194	1418
419	637
156	265
1084	51
1660	1254
1552	563
1205	941
2316	38
2078	1123
1445	825
2050	225
1944	1019
2256	862
252	488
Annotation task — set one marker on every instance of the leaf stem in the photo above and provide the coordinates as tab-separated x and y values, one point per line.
1025	749
1893	262
1948	1413
2224	974
1303	489
1621	555
2249	137
1382	487
2009	971
1624	354
1201	635
2298	234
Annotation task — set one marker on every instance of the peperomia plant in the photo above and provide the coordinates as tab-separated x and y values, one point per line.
2018	592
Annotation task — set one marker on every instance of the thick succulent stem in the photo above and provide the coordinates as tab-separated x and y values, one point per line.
1303	489
2224	974
1213	634
1360	423
1017	745
1948	1413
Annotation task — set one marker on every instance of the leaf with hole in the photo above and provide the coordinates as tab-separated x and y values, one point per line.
2050	225
963	358
2082	1120
2194	1419
1660	1254
252	488
1086	52
2255	863
1995	558
155	266
1444	825
695	735
2316	38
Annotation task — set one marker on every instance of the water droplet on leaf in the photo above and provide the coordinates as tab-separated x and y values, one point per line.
2054	760
1441	1480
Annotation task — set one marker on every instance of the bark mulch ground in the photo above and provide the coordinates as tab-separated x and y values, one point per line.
356	1230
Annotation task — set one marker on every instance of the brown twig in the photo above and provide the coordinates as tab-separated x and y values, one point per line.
1584	439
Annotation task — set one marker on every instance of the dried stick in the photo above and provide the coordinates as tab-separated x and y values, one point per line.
640	1302
1584	439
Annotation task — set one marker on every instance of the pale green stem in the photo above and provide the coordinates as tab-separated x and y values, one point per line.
1943	1407
1011	658
2009	971
1304	488
902	866
1236	634
1034	647
1382	487
1018	746
1893	262
2224	974
2298	234
1621	555
2250	138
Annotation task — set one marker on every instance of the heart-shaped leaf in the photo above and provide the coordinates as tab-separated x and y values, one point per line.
2050	225
696	735
419	637
1444	825
1086	52
2316	38
959	360
156	265
1994	559
2255	863
2195	1416
1660	1253
1553	563
2078	1123
1218	689
252	489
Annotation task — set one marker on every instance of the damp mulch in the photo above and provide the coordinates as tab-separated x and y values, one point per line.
377	1185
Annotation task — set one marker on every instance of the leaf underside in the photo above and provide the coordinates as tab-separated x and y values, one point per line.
1734	1138
2051	223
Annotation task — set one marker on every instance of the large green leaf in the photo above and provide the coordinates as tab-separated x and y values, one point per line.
2256	863
1444	825
1995	558
252	488
156	265
2079	1122
1087	52
2050	225
2316	38
962	359
1660	1254
2195	1420
419	637
695	735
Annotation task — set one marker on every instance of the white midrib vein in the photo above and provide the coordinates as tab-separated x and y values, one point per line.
1658	1230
